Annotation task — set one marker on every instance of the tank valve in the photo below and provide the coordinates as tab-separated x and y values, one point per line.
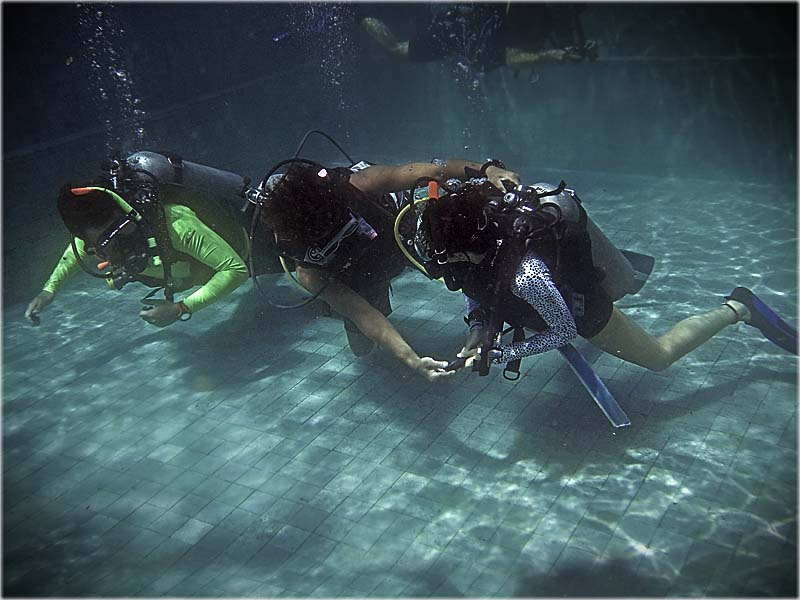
510	200
253	195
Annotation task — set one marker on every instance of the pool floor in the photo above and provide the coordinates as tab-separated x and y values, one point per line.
248	452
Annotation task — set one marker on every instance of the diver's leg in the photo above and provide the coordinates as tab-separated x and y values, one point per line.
518	59
380	32
625	339
377	294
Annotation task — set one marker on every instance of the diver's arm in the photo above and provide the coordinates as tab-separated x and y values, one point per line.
533	284
386	178
380	32
189	235
369	321
67	267
517	59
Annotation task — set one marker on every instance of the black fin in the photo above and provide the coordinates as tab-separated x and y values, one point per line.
766	320
595	386
642	264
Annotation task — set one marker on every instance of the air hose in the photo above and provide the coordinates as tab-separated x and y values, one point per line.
399	241
433	193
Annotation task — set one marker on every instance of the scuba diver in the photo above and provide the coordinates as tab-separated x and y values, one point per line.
336	224
485	36
533	258
164	222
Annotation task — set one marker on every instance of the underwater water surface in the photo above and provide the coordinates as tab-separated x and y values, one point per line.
249	453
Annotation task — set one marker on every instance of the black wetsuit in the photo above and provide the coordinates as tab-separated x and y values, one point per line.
365	265
471	32
380	260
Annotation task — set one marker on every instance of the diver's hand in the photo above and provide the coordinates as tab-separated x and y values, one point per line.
474	354
496	176
471	354
41	300
475	338
162	314
433	370
567	54
589	50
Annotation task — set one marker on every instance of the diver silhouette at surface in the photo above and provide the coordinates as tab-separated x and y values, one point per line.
485	36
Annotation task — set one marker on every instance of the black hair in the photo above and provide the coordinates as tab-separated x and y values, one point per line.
457	222
93	209
307	204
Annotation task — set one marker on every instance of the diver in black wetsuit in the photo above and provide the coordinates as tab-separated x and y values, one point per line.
489	35
337	225
520	261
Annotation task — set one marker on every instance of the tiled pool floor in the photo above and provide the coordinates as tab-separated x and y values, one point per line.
247	452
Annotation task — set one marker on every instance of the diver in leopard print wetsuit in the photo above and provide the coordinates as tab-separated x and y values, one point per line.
533	284
560	298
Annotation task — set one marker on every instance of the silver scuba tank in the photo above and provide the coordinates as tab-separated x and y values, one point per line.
620	276
213	194
183	182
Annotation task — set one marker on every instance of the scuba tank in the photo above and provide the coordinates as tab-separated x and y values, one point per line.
213	194
619	275
145	182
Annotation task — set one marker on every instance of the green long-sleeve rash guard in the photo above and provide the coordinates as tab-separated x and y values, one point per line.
191	237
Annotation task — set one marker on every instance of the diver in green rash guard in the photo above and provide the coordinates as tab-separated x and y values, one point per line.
181	251
208	260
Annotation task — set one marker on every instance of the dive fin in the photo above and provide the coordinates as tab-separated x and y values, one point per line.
595	386
762	317
642	266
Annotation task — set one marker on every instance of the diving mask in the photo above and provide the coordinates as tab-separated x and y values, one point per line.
124	245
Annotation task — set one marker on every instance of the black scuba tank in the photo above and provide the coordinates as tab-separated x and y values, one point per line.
618	275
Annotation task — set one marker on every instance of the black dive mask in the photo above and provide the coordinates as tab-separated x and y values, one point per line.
124	245
472	218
